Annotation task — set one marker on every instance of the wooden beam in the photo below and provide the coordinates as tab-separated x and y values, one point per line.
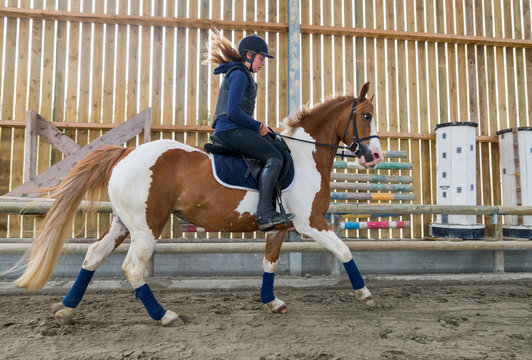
304	246
415	36
54	136
208	129
190	23
113	19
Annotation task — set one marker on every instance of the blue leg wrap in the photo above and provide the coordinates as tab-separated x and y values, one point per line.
77	290
155	309
354	275
266	292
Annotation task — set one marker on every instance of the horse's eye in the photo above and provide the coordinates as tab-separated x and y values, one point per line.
367	117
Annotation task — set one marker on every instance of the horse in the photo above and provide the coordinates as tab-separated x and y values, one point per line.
147	183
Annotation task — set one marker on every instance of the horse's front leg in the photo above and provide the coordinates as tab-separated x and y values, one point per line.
274	240
322	233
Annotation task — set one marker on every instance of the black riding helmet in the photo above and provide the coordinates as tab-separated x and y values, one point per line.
256	45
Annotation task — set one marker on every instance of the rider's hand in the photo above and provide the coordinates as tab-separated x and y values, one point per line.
263	130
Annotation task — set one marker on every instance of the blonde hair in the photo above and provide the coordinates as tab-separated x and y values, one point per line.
222	50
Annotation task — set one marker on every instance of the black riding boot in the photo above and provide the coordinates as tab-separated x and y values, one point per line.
267	217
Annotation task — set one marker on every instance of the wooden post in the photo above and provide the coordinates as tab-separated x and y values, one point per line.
30	149
498	261
147	125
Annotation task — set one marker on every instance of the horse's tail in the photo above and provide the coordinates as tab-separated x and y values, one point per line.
91	176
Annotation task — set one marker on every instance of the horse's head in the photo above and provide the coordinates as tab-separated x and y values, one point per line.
360	133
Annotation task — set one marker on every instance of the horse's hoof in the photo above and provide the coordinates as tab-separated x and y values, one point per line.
276	306
364	296
65	316
57	306
369	301
171	319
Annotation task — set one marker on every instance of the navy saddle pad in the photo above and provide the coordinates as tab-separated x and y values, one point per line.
230	171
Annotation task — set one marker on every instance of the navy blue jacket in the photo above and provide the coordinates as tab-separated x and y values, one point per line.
239	83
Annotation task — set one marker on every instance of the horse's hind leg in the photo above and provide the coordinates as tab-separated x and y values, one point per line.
96	254
140	252
274	240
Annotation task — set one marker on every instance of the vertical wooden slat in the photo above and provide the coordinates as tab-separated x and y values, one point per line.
97	72
492	118
462	65
305	55
282	59
7	107
338	61
494	193
192	73
168	77
417	95
180	95
328	85
260	78
349	61
34	97
73	66
381	101
133	59
519	67
471	62
156	70
360	58
317	89
511	96
120	71
527	34
60	75
145	59
443	92
46	91
84	69
271	67
383	68
406	71
215	79
392	100
452	90
97	76
20	105
8	81
427	124
527	27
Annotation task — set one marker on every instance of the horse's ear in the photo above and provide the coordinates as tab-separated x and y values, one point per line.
363	92
372	97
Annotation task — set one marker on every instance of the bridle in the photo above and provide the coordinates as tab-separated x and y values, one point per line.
357	148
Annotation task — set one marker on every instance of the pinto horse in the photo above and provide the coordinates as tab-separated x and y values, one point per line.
149	182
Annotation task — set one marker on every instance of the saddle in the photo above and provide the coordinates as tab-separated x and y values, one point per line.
228	168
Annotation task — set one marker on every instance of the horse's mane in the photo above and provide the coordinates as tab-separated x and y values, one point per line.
295	120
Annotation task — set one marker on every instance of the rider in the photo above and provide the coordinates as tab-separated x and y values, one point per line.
233	122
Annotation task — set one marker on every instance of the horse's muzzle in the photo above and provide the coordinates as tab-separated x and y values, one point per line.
362	150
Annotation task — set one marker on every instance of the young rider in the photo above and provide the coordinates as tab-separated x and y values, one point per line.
233	122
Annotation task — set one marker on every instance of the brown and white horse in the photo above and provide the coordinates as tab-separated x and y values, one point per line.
148	183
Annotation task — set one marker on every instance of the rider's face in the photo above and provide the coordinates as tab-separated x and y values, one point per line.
259	62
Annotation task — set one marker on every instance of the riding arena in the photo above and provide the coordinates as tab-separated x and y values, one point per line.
129	231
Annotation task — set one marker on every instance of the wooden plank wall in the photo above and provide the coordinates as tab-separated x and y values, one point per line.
104	73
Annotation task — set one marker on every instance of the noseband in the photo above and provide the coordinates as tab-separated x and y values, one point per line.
355	146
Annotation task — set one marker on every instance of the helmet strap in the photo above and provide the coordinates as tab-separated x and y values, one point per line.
250	61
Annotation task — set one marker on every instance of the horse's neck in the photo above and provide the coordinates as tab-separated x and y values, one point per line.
322	158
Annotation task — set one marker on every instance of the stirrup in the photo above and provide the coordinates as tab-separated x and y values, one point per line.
275	219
